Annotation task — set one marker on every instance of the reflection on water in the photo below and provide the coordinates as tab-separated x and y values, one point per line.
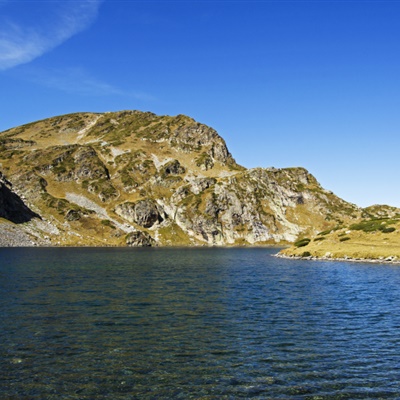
195	323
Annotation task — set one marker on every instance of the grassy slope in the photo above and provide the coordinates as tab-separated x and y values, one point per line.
358	241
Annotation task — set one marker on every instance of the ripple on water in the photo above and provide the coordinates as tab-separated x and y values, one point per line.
195	323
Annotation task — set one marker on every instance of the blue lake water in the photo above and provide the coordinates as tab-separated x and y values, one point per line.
195	324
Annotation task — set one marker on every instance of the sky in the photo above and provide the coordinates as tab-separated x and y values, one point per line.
294	83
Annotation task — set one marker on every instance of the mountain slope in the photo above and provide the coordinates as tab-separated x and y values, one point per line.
135	178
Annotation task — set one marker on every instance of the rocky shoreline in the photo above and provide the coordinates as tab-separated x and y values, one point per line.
387	260
12	236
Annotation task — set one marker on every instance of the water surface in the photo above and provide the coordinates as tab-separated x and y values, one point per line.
195	323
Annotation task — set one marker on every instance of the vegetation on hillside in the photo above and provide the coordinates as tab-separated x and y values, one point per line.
375	238
95	177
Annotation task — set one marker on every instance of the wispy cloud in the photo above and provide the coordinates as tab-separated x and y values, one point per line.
20	44
78	81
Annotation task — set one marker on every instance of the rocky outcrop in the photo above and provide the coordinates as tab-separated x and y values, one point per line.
87	165
191	135
145	213
73	215
173	167
12	206
205	162
139	239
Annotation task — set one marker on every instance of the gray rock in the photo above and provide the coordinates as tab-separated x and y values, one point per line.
173	168
196	136
139	239
144	213
72	215
200	184
205	162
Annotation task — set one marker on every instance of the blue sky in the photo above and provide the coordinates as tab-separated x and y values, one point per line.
286	83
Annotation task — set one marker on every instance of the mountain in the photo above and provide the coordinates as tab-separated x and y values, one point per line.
138	179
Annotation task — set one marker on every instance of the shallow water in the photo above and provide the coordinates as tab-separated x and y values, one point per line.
195	323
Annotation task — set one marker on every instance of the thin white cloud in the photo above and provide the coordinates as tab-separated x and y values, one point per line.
20	44
73	80
78	81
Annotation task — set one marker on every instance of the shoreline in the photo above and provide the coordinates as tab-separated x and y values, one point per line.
387	261
49	246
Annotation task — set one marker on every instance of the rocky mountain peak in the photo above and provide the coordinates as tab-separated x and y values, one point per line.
136	178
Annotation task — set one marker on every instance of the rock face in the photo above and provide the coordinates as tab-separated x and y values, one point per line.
144	213
139	239
138	179
12	207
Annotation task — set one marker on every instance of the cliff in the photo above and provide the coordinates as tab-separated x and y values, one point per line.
138	179
12	206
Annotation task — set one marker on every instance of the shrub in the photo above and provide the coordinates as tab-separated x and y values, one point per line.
366	226
388	230
343	239
302	242
108	223
372	225
319	238
328	231
306	254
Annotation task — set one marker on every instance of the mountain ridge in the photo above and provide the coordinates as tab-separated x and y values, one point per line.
139	179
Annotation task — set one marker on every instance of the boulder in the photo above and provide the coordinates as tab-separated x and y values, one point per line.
72	215
173	168
139	239
144	213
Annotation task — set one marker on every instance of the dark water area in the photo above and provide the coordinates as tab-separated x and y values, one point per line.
195	324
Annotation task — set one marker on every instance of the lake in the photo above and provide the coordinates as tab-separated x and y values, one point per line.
207	323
